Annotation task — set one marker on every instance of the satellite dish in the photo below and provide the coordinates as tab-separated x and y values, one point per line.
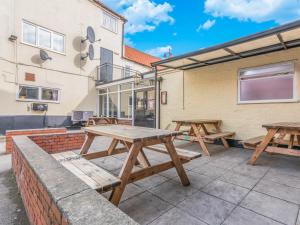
90	35
44	55
90	53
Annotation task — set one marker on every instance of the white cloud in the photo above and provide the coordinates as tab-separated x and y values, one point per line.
142	15
207	25
280	11
128	41
160	51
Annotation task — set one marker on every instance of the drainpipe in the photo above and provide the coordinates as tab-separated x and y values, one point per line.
156	124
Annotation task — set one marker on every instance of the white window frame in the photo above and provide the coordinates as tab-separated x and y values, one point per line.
37	37
111	16
39	94
294	99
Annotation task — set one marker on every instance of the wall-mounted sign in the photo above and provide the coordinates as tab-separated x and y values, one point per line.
164	98
30	77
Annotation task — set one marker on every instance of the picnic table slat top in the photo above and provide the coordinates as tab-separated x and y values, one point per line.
130	133
284	125
196	121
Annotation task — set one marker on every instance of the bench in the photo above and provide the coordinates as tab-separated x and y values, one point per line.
216	136
252	143
182	153
94	176
283	151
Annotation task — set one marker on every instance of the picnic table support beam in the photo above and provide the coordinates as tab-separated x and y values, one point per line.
264	144
200	139
87	143
125	172
179	168
224	141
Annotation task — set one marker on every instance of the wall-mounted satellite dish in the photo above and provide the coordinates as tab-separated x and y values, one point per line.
90	35
90	53
44	55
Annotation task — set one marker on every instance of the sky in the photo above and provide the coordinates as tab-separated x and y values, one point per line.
181	26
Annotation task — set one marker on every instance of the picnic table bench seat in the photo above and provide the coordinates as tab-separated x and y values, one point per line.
278	150
252	143
95	177
219	135
182	153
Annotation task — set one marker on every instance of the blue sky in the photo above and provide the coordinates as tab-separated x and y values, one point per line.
154	26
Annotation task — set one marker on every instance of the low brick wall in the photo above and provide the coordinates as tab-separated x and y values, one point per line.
55	143
10	133
52	194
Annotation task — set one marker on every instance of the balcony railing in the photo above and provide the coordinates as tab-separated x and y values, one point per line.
110	72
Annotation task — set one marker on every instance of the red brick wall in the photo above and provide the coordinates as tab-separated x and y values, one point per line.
41	210
10	133
55	143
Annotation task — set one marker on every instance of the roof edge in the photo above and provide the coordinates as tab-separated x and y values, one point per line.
269	32
108	9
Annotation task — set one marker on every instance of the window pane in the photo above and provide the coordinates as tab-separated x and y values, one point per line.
127	86
49	94
109	22
29	34
126	105
28	93
113	88
113	105
268	88
103	105
58	43
44	38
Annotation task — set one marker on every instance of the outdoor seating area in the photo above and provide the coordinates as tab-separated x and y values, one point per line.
224	189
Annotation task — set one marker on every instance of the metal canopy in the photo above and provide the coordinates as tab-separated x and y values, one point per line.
280	38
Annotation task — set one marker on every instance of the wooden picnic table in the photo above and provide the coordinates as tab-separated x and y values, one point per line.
195	128
276	135
134	139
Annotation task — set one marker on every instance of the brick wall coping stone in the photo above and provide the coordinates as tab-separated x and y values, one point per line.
78	203
37	129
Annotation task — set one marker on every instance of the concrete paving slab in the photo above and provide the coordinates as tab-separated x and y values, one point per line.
241	216
144	208
210	171
207	208
5	163
151	182
257	171
226	191
298	220
271	207
239	179
12	211
172	191
175	216
197	180
279	191
289	180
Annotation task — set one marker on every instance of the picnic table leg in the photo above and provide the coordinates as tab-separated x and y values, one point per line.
291	142
224	141
200	139
177	128
112	146
87	143
125	172
178	165
263	145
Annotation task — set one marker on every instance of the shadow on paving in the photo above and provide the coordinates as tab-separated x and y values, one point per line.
12	211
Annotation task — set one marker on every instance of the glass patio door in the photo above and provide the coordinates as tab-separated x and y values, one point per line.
144	109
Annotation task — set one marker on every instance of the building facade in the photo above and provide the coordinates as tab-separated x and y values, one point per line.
245	83
68	81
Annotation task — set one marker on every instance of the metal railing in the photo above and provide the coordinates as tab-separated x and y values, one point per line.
110	72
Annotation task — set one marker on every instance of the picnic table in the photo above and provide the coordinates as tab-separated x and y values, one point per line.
276	135
195	128
134	139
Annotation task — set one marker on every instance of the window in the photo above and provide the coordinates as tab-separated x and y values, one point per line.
126	104
127	71
30	93
110	22
29	33
49	94
272	83
43	38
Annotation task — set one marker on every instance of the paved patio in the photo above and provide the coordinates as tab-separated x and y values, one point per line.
223	190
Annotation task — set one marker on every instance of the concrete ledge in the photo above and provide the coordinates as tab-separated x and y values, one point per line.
53	195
